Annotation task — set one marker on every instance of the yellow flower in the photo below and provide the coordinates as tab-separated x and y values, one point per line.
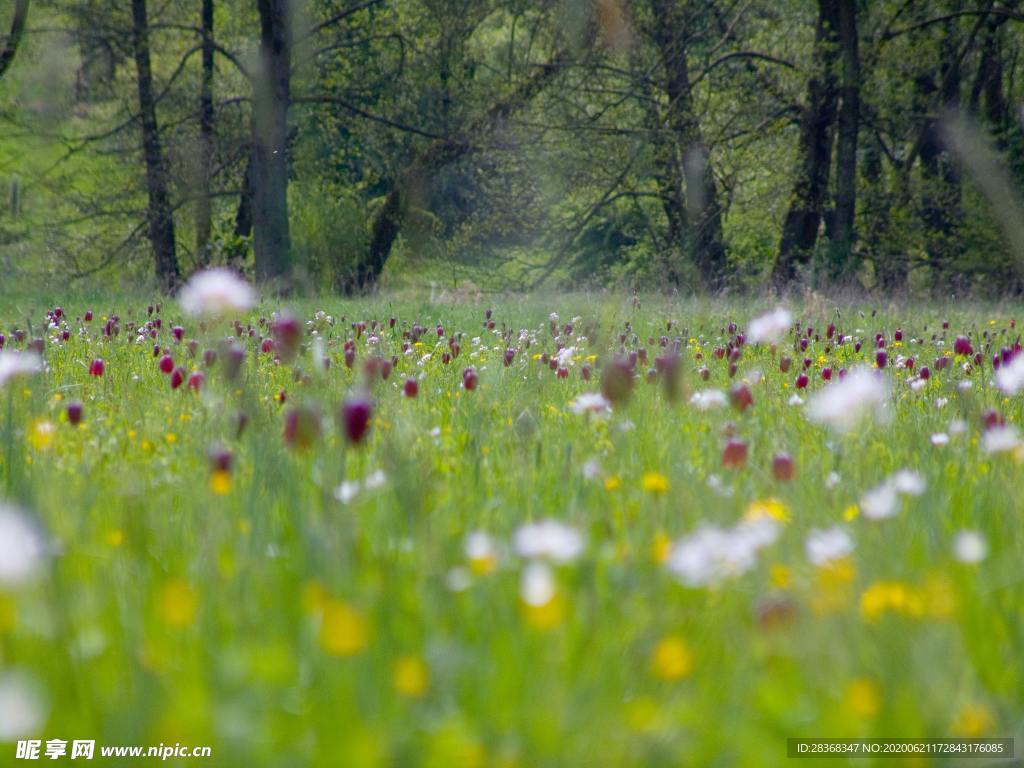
890	597
781	576
177	604
862	697
661	547
833	585
171	438
114	537
220	482
41	434
851	512
612	482
654	482
671	659
343	630
411	676
973	720
767	508
546	616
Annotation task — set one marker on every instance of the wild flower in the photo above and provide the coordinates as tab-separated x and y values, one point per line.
844	403
970	547
23	551
549	540
215	292
824	546
769	328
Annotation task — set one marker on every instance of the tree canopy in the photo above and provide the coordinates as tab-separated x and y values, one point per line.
702	145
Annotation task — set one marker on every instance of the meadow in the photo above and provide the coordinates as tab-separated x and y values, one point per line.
467	531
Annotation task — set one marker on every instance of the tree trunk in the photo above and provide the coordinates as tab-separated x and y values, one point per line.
160	218
705	243
14	39
941	209
800	229
439	153
204	214
843	265
271	100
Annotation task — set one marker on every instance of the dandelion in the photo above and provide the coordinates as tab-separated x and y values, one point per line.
890	597
843	403
177	604
825	546
654	482
41	434
411	677
970	547
548	539
215	292
769	328
343	629
671	659
772	509
16	365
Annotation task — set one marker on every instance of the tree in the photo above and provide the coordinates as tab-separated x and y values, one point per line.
810	189
159	214
13	40
705	242
271	101
204	203
842	264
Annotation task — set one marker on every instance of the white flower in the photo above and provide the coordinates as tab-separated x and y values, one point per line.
22	548
999	439
970	547
883	501
375	480
940	438
480	546
908	482
957	427
832	480
17	364
940	402
711	554
346	491
537	585
824	546
769	328
216	291
459	579
564	356
707	399
591	469
590	402
1010	377
879	503
795	399
548	539
842	404
22	712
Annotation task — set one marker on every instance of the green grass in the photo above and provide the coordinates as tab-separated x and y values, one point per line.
285	628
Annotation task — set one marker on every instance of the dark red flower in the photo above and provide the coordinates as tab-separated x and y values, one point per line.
97	367
783	467
74	412
354	418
